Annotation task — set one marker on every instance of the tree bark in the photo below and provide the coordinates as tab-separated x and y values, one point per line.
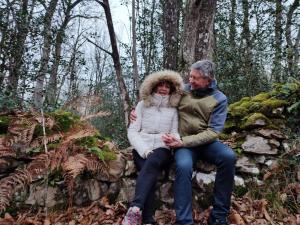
198	37
291	51
276	73
38	91
18	48
171	15
116	60
136	80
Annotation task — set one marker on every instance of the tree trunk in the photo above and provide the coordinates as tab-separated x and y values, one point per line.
18	48
52	87
116	60
38	91
276	73
232	25
136	80
171	15
291	52
198	37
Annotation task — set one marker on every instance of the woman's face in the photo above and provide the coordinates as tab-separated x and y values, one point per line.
163	88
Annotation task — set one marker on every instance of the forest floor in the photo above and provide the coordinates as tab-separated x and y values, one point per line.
244	211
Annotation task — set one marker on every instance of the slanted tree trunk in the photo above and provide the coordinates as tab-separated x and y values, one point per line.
276	71
198	37
116	60
38	91
170	27
292	52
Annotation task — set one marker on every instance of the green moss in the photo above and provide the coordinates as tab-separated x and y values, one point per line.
4	123
250	120
261	97
88	142
224	136
64	120
240	191
230	124
38	131
104	154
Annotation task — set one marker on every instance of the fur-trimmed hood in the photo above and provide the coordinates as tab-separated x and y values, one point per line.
153	79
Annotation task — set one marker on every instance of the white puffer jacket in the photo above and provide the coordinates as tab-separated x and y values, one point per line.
156	114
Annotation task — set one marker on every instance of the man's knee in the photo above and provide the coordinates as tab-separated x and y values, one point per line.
229	157
184	162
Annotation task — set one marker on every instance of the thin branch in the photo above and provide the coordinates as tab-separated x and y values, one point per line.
110	53
85	17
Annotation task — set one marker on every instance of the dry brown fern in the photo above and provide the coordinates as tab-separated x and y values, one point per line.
98	114
20	130
9	185
38	168
48	139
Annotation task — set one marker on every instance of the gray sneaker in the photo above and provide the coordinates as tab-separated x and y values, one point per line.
133	216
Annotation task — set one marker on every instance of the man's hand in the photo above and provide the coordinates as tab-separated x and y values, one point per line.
132	116
171	141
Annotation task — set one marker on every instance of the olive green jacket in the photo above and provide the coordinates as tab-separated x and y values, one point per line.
202	114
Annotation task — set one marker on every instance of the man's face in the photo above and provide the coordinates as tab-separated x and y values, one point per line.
197	80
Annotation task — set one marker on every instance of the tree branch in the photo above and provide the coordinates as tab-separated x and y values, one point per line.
110	53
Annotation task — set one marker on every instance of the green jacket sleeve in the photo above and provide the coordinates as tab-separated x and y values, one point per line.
202	138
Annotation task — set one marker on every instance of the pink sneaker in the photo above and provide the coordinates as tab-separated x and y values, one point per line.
133	216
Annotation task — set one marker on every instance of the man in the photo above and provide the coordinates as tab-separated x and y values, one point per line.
202	114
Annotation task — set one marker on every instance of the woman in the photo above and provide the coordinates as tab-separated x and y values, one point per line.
156	116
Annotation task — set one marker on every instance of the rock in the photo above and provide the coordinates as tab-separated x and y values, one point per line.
286	146
258	145
94	189
260	159
239	181
130	168
269	162
166	193
267	133
205	166
116	168
274	143
244	165
127	190
38	194
203	179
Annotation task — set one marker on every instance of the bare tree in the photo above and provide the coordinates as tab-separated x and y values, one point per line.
116	59
292	50
136	80
53	80
47	38
276	72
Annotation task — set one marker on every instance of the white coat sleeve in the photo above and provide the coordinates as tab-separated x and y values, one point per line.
134	132
174	127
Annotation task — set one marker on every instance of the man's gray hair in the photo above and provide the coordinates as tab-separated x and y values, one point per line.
206	67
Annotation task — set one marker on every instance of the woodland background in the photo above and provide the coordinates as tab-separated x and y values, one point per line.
58	56
53	51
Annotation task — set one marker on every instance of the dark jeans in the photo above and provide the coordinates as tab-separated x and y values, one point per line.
216	153
150	169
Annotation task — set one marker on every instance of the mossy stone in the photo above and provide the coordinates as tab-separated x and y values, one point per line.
250	120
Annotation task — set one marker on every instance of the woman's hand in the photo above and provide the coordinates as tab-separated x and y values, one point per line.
171	141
